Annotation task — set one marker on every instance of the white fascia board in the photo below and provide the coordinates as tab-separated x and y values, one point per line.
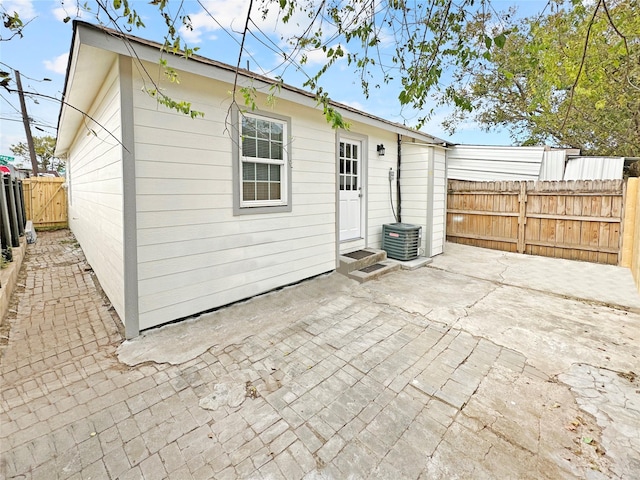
65	137
87	70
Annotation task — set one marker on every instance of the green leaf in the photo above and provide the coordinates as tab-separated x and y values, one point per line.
500	40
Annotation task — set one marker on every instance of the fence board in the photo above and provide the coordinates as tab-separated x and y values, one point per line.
46	202
630	251
575	220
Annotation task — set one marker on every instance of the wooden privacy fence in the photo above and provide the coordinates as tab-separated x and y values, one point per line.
579	220
45	201
631	230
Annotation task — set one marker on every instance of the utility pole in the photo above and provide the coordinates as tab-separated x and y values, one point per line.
27	127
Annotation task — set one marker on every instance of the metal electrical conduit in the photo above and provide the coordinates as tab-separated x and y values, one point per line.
398	216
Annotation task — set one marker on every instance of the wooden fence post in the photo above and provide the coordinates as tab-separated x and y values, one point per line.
522	217
629	229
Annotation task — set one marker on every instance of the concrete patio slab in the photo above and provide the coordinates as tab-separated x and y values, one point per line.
580	280
457	370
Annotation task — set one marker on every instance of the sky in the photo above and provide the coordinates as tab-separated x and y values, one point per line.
42	53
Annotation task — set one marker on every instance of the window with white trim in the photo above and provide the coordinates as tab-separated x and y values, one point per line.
263	169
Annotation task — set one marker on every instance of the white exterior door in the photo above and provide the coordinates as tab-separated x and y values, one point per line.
350	181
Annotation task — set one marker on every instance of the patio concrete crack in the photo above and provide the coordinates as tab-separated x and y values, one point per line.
469	307
506	267
505	438
483	297
414	314
391	305
487	454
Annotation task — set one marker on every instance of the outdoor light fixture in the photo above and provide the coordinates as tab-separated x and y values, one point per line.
380	149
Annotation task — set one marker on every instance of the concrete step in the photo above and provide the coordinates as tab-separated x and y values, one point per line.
371	272
413	264
360	259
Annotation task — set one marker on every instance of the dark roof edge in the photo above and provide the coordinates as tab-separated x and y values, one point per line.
251	75
66	75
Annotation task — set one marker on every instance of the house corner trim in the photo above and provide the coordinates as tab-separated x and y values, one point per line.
129	208
428	235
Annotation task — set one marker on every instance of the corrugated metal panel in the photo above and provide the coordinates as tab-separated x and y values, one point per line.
594	168
485	163
553	162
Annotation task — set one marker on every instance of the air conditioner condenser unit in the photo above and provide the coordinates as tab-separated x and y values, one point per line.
401	241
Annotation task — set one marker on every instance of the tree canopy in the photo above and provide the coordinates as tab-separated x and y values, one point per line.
413	43
570	78
44	147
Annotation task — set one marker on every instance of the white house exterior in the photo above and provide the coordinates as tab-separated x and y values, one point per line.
178	216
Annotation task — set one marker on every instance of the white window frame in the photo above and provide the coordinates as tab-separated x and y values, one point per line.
282	163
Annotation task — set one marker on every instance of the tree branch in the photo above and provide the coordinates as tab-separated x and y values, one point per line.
582	62
244	36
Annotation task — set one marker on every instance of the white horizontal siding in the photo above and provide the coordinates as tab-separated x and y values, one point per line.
239	249
415	181
234	265
416	197
235	288
224	232
95	209
193	253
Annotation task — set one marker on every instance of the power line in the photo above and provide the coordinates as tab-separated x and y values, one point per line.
32	123
11	104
